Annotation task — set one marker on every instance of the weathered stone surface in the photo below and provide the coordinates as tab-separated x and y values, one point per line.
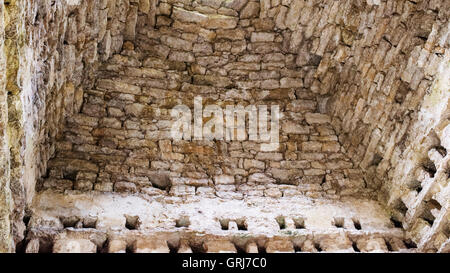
262	37
219	22
85	99
188	16
279	246
314	118
224	179
151	245
219	247
251	10
74	246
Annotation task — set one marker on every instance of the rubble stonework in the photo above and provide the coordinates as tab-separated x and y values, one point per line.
120	141
86	90
5	193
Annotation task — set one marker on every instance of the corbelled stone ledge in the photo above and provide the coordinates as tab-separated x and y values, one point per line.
116	222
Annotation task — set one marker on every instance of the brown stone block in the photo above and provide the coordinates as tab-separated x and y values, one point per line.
74	246
125	187
222	246
279	246
151	245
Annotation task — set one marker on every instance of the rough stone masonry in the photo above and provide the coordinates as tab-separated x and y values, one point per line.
87	162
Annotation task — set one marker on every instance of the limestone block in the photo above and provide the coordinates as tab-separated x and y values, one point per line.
291	83
260	178
219	246
224	179
217	81
130	29
291	127
316	118
181	56
176	43
182	190
251	248
184	247
279	246
251	10
273	193
336	243
117	246
372	245
251	163
74	246
125	187
111	85
188	16
262	37
219	22
293	14
151	245
235	4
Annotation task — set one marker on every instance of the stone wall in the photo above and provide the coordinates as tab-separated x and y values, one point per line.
390	105
5	192
385	72
52	52
68	40
362	87
229	53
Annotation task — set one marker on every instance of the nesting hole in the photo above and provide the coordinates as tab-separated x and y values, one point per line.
70	175
173	246
132	222
376	160
429	167
317	247
299	223
281	222
26	219
415	185
224	224
21	246
45	245
447	229
338	222
355	247
434	204
396	222
388	245
129	248
400	206
427	215
356	224
90	222
242	224
182	222
69	222
103	248
441	150
262	249
297	248
239	248
409	244
197	248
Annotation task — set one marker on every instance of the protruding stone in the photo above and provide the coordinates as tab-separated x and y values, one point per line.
151	245
251	10
279	246
222	246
